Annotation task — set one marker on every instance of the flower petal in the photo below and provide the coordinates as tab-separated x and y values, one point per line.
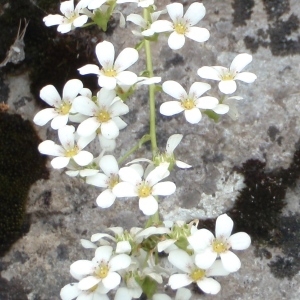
125	59
50	95
246	77
165	188
173	142
162	26
171	108
81	268
240	241
174	89
109	129
207	102
198	34
127	77
105	52
51	20
175	11
119	262
148	205
221	109
88	127
124	189
50	148
193	115
176	41
209	73
60	162
230	261
137	20
107	82
181	260
209	286
201	239
177	281
70	291
130	175
227	86
109	165
59	121
205	259
197	89
182	165
81	20
72	89
112	280
240	62
195	13
224	225
44	116
217	269
89	69
88	282
106	199
83	158
103	253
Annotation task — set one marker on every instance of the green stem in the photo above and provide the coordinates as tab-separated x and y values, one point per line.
142	141
151	88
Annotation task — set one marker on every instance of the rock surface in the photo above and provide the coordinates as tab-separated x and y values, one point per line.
63	209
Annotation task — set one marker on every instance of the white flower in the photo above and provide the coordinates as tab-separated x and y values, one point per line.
94	4
112	72
141	22
71	18
208	247
134	186
68	149
190	103
181	294
62	107
179	231
227	77
182	26
72	291
195	272
104	114
108	180
141	3
102	269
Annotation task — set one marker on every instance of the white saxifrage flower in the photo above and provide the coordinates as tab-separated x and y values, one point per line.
227	77
104	114
133	185
72	17
208	247
182	25
113	71
68	150
102	269
62	107
108	180
190	103
146	29
195	272
72	291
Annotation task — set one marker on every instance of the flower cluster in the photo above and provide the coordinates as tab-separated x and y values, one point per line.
121	262
126	263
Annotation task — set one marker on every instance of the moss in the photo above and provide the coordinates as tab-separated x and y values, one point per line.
20	166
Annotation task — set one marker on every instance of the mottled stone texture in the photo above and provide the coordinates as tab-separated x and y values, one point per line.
63	209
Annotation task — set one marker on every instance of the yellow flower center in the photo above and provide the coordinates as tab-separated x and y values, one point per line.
144	190
101	271
113	180
188	104
180	28
219	246
103	116
197	274
71	152
227	76
110	72
64	108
